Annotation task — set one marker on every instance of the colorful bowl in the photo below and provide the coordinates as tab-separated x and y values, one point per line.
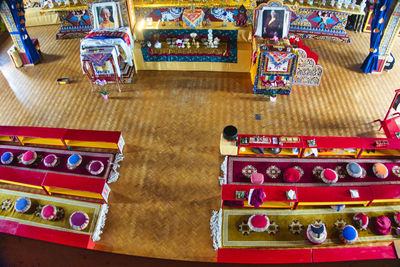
7	158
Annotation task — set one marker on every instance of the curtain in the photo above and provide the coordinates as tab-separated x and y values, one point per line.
17	11
377	26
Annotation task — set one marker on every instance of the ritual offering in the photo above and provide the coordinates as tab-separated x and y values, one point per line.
316	233
361	220
22	205
380	170
79	220
74	161
354	170
50	160
28	157
49	212
291	175
258	223
7	158
95	167
349	234
257	178
329	176
383	225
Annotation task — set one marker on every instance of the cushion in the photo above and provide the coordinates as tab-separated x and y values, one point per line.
7	157
329	176
48	212
50	160
79	220
380	170
383	225
349	234
74	161
316	233
258	223
354	169
362	220
291	175
96	167
22	204
257	178
29	157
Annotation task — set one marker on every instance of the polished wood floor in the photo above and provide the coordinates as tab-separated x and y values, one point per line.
172	121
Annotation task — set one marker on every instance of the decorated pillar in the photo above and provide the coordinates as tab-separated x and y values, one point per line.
382	36
13	15
388	39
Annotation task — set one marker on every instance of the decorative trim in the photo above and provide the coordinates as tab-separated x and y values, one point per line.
216	227
101	222
114	175
224	165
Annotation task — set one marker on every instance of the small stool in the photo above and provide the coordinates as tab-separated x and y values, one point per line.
95	167
257	178
380	171
50	160
7	158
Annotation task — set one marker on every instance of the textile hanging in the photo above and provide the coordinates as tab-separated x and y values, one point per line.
378	23
17	10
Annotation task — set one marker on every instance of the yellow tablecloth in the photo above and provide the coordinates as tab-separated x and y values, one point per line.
34	17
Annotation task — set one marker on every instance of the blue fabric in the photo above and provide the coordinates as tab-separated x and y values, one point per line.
378	23
349	233
17	8
21	204
73	159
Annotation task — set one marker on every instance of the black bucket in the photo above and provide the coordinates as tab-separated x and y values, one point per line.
230	133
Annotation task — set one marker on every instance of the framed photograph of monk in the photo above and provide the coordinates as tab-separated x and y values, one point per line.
272	22
106	15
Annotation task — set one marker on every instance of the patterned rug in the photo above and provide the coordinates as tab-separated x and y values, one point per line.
32	217
273	169
287	228
61	166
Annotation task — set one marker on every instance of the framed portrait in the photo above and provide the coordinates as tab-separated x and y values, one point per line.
106	15
272	22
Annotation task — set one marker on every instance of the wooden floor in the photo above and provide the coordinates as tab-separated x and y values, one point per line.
172	121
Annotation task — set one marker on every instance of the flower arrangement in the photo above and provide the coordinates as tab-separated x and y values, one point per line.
104	93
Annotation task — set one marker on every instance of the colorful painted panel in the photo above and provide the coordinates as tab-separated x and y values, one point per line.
170	14
166	50
74	24
317	24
